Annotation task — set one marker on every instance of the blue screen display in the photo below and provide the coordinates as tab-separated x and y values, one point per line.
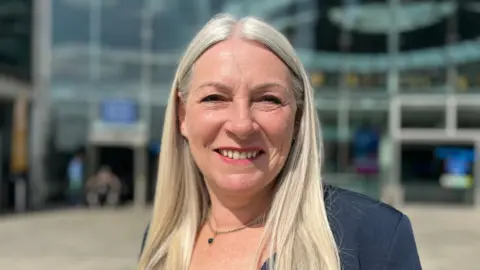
365	150
458	161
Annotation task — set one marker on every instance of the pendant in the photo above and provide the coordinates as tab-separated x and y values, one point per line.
210	240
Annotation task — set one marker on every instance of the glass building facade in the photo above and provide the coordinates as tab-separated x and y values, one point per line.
395	80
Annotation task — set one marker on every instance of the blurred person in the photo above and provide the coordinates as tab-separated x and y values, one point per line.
75	179
239	183
104	185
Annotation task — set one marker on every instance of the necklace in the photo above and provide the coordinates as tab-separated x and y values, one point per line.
256	221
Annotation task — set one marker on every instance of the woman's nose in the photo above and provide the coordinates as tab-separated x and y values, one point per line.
240	121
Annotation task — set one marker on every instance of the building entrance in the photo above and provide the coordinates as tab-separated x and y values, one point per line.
7	188
120	160
433	172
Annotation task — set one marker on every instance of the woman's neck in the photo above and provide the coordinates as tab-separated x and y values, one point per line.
235	212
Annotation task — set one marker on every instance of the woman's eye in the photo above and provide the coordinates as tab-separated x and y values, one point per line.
212	98
272	99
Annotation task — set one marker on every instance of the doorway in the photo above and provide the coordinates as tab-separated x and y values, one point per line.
153	157
7	188
121	162
438	172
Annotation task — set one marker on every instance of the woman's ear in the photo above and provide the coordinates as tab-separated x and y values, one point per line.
181	112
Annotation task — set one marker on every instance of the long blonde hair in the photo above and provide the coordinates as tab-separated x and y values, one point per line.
297	229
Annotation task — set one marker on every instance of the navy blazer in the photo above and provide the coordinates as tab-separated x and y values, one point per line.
370	235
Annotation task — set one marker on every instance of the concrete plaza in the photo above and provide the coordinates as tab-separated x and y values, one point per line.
103	239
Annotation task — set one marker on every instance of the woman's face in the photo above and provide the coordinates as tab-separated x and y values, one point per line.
239	116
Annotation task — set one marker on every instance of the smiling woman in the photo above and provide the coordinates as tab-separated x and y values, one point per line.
237	107
239	183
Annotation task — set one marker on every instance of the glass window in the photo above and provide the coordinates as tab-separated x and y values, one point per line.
366	130
71	124
417	117
468	118
468	78
15	41
423	80
120	25
156	124
328	120
467	20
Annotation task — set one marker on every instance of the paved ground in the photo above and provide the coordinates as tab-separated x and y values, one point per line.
72	240
448	238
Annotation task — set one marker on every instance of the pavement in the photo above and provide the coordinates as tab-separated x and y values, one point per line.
104	239
100	239
448	238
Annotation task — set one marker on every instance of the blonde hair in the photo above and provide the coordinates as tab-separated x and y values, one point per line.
297	229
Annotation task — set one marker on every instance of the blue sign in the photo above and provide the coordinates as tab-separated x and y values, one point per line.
119	111
366	142
457	160
448	152
457	165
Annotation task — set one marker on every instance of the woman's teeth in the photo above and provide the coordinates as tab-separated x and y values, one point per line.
239	155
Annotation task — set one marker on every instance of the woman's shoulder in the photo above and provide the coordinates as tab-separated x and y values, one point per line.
357	212
341	202
369	232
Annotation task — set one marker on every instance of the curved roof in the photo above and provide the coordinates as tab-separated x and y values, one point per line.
462	53
120	28
422	27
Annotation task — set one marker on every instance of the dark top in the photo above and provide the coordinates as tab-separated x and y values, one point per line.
371	235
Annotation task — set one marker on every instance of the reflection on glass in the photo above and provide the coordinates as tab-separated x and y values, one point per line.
468	118
414	117
324	81
423	80
468	79
15	38
366	82
329	122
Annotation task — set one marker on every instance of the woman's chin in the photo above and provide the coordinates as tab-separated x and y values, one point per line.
240	184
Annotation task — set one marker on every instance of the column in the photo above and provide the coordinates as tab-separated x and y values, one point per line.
141	151
19	158
140	172
392	191
94	47
344	91
451	38
393	48
451	82
40	114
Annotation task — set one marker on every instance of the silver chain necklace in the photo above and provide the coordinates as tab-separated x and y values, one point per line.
256	221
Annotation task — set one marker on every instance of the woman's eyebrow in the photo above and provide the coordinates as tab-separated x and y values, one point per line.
265	86
217	85
224	87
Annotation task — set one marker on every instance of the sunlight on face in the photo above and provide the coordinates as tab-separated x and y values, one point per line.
239	116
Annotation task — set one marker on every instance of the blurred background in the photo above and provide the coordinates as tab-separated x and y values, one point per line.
84	84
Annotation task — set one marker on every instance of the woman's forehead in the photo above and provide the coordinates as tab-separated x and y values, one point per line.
238	59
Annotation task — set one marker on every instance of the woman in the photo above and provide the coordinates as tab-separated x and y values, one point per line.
238	184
